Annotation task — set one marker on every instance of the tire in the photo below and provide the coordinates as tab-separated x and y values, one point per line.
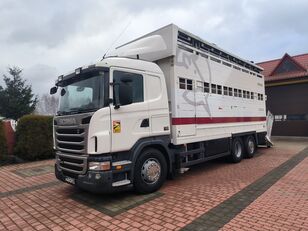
250	146
237	150
150	171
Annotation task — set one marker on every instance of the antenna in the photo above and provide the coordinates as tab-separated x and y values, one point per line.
120	35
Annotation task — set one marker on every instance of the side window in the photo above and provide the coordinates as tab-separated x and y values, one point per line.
244	94
251	95
235	92
182	83
214	89
206	87
230	91
225	90
135	80
186	84
239	93
219	91
189	84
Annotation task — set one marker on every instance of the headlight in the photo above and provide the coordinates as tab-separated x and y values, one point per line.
99	166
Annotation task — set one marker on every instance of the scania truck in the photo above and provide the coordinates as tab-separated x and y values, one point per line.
153	107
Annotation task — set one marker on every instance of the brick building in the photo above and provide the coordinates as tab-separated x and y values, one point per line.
286	87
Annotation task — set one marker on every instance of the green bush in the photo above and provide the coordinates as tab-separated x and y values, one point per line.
3	145
34	138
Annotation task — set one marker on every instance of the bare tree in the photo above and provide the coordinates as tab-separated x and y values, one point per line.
47	105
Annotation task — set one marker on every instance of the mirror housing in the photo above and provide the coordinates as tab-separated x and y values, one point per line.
53	90
126	94
123	94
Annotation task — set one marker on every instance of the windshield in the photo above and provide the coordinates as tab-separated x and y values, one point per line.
82	93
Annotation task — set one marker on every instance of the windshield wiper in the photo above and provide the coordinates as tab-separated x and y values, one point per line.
59	113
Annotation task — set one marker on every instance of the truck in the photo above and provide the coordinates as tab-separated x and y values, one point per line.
154	107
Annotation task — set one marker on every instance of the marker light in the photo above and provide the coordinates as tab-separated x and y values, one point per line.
78	70
60	78
119	167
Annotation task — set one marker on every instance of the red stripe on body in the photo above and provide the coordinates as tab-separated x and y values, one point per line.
213	120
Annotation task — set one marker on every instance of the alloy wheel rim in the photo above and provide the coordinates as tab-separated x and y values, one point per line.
150	171
251	146
238	149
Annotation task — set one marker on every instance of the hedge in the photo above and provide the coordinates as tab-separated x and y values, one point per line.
3	144
34	139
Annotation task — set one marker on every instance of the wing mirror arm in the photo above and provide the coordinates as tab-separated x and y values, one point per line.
116	92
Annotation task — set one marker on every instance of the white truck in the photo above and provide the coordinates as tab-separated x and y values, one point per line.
155	106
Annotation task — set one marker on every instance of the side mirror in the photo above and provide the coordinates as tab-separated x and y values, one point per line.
125	94
53	90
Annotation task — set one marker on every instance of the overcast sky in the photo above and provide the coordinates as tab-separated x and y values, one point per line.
47	38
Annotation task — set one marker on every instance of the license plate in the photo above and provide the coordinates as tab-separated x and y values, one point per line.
70	180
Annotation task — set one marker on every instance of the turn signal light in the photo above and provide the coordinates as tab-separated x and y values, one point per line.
119	167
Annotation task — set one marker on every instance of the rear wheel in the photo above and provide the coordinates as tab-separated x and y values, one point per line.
237	150
150	171
250	146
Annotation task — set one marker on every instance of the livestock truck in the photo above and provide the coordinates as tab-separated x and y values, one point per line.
155	106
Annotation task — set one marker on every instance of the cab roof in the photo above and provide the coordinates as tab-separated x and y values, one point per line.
130	63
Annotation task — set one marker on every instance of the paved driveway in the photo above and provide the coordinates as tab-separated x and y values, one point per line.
268	192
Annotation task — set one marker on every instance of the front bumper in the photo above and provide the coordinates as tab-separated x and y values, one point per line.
97	182
91	180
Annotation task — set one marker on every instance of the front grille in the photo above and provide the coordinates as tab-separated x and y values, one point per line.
71	139
72	163
71	144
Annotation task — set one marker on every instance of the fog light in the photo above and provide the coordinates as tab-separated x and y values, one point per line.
97	176
99	166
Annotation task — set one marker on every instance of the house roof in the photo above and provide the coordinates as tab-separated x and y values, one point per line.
274	70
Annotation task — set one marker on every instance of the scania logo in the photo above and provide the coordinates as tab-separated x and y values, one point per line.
67	121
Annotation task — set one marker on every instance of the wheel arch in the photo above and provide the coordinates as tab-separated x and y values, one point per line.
160	144
243	135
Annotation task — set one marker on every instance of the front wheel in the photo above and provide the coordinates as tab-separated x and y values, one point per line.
150	171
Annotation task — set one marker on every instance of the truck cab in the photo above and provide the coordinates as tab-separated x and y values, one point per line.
104	123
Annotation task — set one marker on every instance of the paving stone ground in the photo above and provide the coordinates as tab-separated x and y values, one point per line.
268	192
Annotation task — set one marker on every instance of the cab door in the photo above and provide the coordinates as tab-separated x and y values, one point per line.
129	123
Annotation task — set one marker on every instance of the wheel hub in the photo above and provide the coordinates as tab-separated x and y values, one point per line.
150	171
238	150
251	146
